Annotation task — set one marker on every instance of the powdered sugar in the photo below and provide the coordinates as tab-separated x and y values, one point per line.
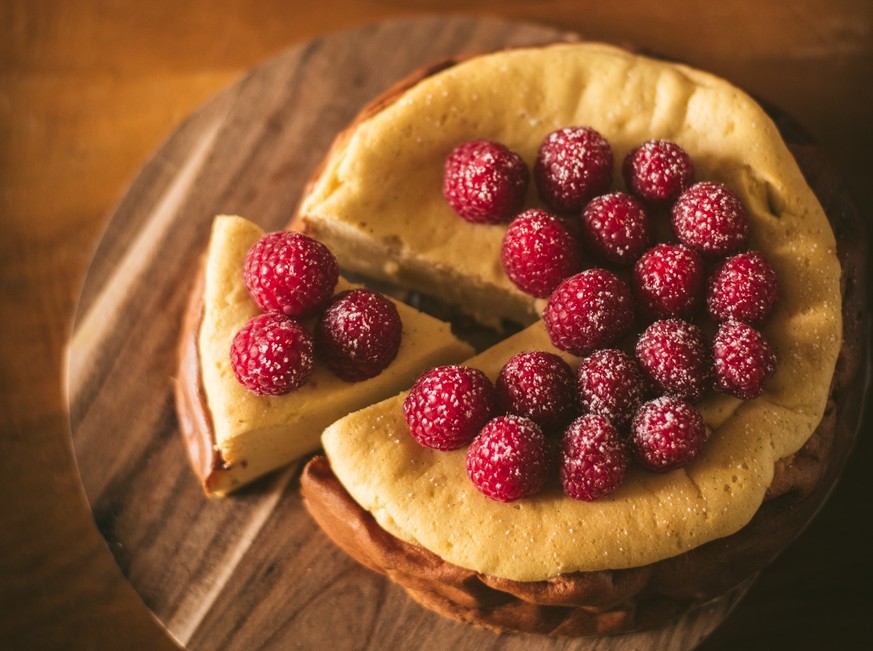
743	360
668	281
744	288
667	433
616	228
540	386
611	384
538	252
448	405
675	355
658	171
588	311
711	218
573	166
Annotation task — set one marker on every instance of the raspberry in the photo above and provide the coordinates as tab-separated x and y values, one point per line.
743	360
658	171
573	166
667	433
540	386
588	311
675	356
668	281
485	182
290	272
509	459
611	384
744	288
448	405
594	458
358	335
709	217
272	354
538	252
616	228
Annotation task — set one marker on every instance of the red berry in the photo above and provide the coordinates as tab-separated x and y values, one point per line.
616	228
573	166
540	386
290	272
667	433
587	311
743	360
448	405
668	281
509	459
594	458
709	217
744	288
485	182
358	335
658	171
538	252
611	384
675	356
272	354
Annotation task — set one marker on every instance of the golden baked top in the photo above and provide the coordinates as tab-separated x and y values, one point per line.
517	97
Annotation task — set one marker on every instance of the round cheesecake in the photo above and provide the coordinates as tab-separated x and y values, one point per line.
662	543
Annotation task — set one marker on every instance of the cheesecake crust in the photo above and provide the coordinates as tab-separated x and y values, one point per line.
195	421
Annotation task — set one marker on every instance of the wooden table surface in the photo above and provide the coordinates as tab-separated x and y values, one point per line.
90	88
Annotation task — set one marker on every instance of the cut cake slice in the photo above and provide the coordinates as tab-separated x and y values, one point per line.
234	436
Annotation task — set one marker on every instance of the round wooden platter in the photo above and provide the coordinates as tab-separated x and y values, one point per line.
253	570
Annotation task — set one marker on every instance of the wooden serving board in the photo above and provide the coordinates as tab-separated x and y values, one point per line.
251	571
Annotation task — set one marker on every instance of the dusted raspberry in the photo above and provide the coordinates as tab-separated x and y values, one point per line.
709	217
616	228
358	335
509	459
594	458
611	384
448	405
538	252
675	356
573	166
667	433
271	355
485	182
658	171
743	288
743	360
587	311
290	272
668	281
540	386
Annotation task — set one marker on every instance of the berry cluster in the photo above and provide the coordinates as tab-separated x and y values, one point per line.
628	404
292	278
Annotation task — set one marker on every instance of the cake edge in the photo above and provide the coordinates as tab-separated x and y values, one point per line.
195	421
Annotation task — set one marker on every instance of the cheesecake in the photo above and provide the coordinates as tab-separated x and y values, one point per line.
234	436
663	542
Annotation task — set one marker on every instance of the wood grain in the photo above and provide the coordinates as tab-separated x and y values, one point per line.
252	571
